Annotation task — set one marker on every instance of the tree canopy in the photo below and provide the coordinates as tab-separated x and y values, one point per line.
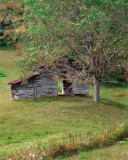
92	32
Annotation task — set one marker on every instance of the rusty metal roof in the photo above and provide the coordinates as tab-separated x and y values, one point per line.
19	81
14	82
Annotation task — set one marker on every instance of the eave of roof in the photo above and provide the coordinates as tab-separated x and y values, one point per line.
15	81
26	78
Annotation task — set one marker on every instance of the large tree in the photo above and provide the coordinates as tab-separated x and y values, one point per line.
93	32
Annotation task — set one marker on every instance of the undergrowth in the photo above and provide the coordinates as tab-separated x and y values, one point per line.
72	144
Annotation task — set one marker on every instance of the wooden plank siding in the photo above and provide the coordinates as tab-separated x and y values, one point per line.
80	88
42	85
75	88
45	85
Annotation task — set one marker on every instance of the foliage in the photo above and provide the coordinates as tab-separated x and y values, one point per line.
94	32
1	74
114	79
90	32
10	21
125	141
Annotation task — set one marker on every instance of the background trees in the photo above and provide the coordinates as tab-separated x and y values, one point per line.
11	18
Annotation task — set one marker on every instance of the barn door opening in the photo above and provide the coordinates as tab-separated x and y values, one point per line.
60	87
67	87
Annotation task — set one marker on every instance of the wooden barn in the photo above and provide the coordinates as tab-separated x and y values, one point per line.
38	85
44	84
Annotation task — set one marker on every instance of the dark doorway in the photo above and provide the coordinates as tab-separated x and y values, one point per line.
67	87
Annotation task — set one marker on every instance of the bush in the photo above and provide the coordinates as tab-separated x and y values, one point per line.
114	79
1	74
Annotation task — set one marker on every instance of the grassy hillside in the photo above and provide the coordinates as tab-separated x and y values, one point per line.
9	70
38	120
116	152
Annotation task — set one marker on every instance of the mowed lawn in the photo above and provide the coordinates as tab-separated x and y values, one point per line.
39	120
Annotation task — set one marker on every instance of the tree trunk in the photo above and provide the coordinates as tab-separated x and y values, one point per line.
96	96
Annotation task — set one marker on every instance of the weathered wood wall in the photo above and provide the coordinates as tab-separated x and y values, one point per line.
80	88
36	87
75	88
49	86
44	85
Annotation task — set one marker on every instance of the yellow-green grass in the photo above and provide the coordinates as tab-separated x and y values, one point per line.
115	152
8	68
41	119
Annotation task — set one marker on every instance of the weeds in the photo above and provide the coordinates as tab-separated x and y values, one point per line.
73	144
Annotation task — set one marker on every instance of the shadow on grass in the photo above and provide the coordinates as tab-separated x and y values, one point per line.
121	86
88	99
55	99
107	102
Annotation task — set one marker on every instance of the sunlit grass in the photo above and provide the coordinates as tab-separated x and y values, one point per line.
115	152
41	119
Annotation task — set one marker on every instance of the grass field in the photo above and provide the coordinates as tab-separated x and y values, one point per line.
116	152
38	120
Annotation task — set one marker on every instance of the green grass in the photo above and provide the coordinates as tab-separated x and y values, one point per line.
116	152
38	120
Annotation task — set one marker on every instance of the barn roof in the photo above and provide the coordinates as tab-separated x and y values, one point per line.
33	75
26	78
70	63
15	81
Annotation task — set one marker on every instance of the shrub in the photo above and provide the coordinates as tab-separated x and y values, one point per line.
1	74
114	79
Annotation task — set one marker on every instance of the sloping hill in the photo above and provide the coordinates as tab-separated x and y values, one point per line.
38	120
